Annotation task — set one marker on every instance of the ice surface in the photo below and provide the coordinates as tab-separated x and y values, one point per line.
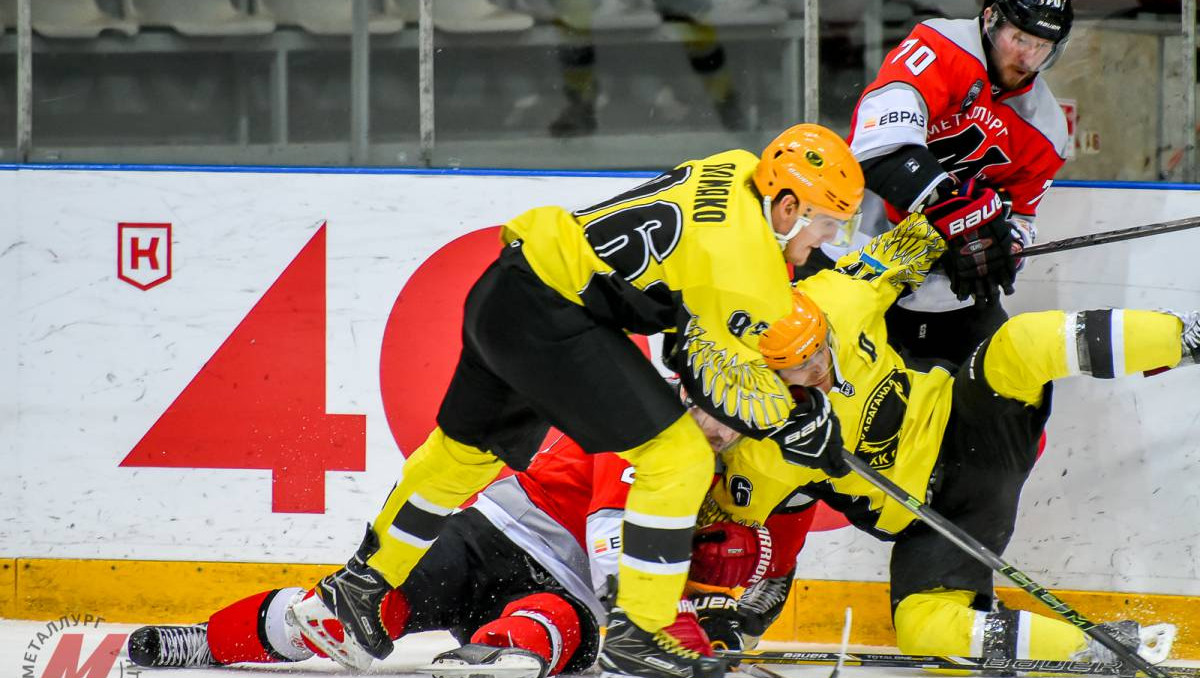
411	651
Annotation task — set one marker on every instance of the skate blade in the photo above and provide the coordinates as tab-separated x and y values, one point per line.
501	669
309	616
1157	641
605	673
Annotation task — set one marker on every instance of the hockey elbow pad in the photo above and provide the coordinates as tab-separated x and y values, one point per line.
908	178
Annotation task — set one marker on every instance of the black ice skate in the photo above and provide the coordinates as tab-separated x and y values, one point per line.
354	595
174	646
630	651
476	660
760	605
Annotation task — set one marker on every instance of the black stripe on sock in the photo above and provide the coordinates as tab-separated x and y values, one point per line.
1000	633
657	545
418	522
1081	350
1098	335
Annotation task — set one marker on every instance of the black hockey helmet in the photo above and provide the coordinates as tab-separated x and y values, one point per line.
1046	19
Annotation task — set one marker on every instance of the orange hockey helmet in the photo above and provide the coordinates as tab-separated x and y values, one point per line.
797	337
816	165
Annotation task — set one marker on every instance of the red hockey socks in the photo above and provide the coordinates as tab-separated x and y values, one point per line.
254	630
394	612
789	531
543	623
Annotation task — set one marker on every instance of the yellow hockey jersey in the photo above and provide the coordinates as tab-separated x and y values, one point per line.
689	253
891	415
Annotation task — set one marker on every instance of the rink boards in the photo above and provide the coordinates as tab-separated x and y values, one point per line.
242	396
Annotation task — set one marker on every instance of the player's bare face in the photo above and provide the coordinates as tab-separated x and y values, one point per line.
719	435
1018	55
821	228
816	371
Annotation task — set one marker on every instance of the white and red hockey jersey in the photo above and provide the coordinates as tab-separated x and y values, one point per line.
933	90
544	510
566	509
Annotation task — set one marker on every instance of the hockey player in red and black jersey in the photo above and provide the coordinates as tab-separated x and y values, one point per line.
522	577
961	99
508	577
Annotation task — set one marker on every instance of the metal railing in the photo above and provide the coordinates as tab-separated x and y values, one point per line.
798	66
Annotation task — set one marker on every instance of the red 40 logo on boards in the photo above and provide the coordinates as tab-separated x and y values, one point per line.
259	401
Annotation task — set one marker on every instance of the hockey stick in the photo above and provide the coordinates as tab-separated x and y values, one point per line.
837	667
909	661
983	554
1110	236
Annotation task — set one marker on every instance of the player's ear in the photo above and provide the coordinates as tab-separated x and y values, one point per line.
789	204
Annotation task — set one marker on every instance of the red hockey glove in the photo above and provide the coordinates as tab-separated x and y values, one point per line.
729	554
979	257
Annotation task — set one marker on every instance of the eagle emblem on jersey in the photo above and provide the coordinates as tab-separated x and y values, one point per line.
744	389
883	414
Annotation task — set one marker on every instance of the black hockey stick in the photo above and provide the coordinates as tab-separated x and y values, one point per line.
909	661
1111	236
983	554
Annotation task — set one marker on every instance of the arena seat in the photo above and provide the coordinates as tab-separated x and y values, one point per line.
72	19
8	15
602	15
201	17
742	13
329	17
464	16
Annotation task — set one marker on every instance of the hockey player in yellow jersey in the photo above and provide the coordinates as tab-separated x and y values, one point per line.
966	440
699	253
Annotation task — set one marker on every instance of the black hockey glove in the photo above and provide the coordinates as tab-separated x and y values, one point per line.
718	616
812	436
979	258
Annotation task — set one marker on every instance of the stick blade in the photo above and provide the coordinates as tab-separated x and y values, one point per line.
841	660
478	671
